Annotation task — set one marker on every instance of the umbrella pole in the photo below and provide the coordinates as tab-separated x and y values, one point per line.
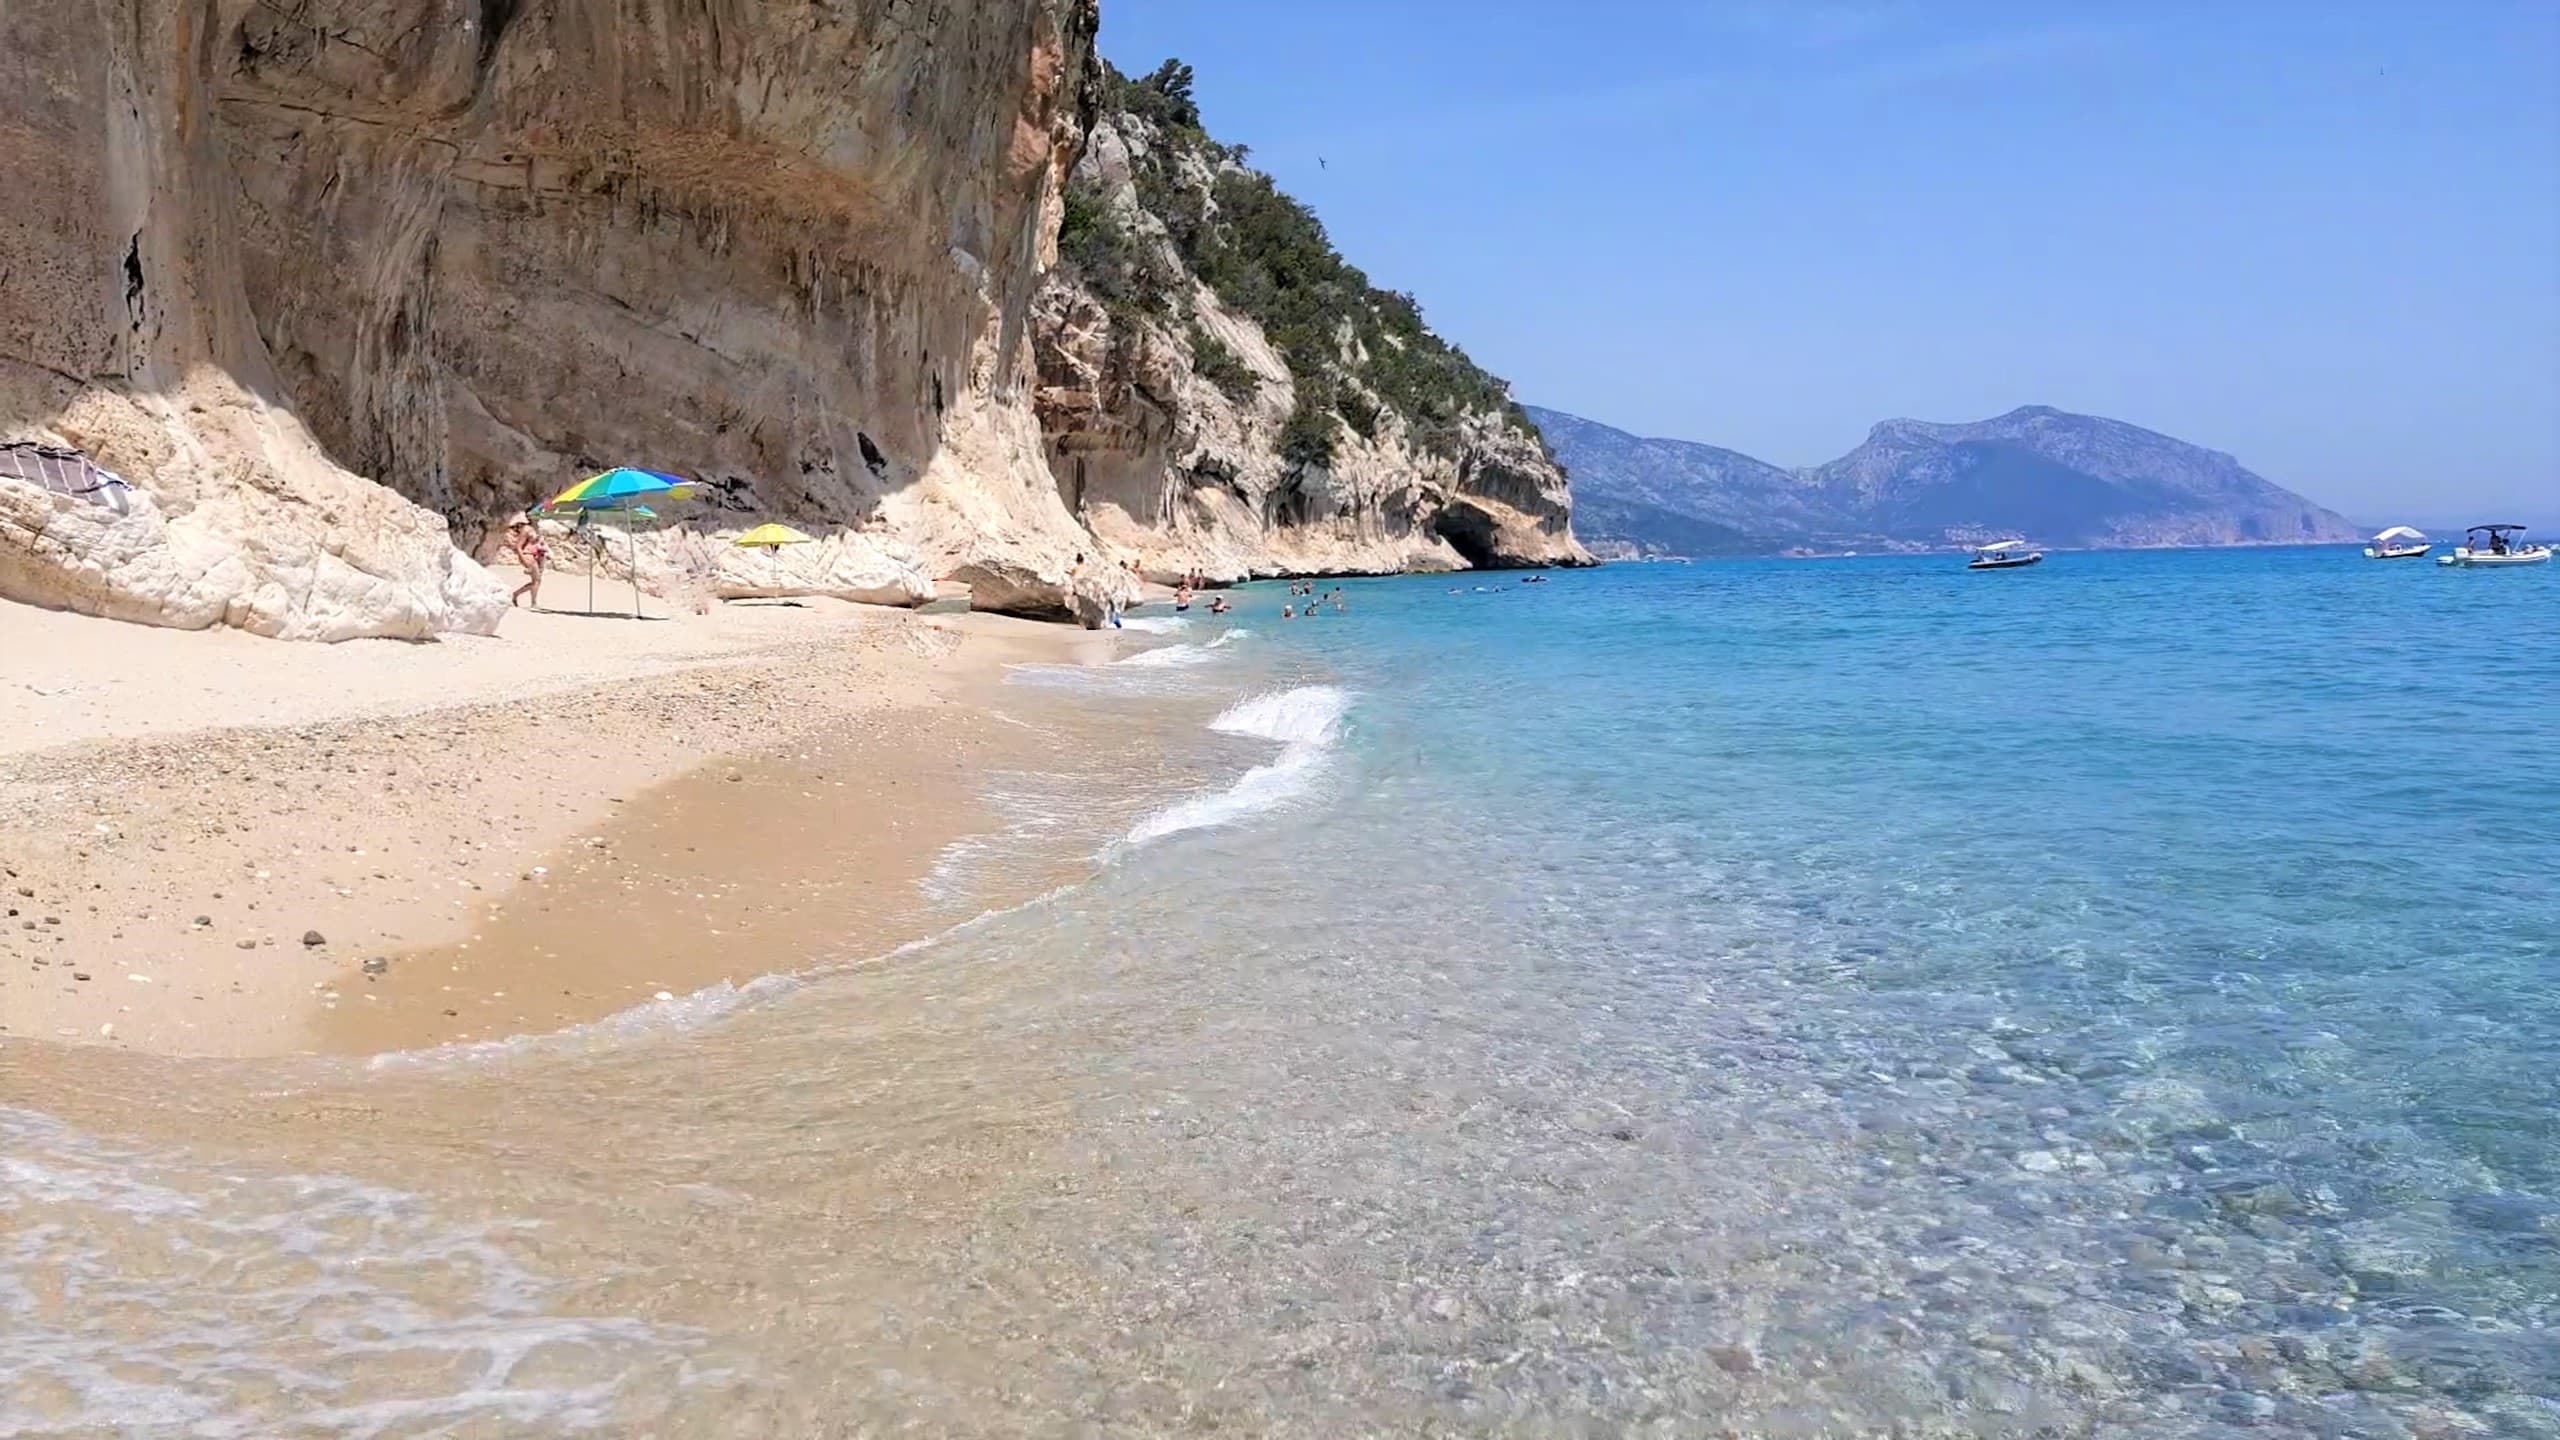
591	579
633	536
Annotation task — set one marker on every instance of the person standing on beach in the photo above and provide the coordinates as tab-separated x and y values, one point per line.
530	553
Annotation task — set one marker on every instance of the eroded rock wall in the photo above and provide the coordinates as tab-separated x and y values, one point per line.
343	285
1188	473
125	330
473	252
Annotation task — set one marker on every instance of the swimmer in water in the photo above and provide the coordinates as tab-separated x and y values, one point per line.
1288	612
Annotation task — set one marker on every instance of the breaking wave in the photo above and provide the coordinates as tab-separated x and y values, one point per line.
1305	722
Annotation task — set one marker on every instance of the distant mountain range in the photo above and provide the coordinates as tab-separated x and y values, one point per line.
2038	473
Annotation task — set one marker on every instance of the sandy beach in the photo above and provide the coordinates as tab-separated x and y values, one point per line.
221	845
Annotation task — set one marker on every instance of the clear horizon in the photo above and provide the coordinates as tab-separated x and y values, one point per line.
2331	252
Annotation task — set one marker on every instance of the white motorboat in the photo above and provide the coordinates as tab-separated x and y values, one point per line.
2004	555
2399	543
2490	546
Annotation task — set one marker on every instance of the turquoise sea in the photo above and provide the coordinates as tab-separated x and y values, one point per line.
1795	998
2149	962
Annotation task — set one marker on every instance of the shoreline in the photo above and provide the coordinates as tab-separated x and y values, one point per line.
369	848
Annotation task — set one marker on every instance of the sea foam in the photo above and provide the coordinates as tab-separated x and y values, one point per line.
225	1302
1305	722
1171	657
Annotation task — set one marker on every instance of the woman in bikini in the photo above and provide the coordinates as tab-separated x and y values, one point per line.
530	553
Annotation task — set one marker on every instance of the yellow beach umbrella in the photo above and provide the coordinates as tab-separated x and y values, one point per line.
770	536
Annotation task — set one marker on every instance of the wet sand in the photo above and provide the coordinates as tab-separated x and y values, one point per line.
460	829
773	863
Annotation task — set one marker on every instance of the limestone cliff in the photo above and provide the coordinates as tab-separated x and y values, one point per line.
1221	392
473	251
342	285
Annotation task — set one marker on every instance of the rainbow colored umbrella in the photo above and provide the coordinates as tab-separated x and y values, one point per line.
627	490
620	489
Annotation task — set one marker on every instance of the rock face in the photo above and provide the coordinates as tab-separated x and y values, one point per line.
474	252
125	331
2045	474
344	285
1188	433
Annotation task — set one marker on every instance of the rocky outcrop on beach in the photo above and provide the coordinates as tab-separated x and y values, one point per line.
1221	392
2037	472
243	521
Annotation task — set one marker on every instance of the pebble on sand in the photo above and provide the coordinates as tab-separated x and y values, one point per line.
314	937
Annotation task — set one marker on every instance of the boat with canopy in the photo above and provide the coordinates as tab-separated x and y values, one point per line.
2399	543
2004	555
2488	547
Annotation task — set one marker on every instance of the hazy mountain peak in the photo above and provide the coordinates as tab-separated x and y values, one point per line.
2048	474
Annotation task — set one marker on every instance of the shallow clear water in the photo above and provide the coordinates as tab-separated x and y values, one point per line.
1794	998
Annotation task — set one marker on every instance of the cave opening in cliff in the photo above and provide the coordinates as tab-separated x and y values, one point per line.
1469	533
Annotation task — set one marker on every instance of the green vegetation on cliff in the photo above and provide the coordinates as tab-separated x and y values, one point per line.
1354	351
1218	365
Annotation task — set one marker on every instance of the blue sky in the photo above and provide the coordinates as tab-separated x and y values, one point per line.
2325	238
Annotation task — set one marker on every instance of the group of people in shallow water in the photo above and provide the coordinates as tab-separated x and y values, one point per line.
1306	589
1185	592
1191	584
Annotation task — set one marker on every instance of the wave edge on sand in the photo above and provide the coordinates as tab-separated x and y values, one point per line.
681	1014
1306	722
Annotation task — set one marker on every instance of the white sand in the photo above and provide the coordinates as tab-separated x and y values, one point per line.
66	679
186	806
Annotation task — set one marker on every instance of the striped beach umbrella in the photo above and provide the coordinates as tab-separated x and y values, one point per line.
620	489
629	491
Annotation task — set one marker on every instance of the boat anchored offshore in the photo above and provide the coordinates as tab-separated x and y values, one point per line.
2398	543
2489	546
2005	555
